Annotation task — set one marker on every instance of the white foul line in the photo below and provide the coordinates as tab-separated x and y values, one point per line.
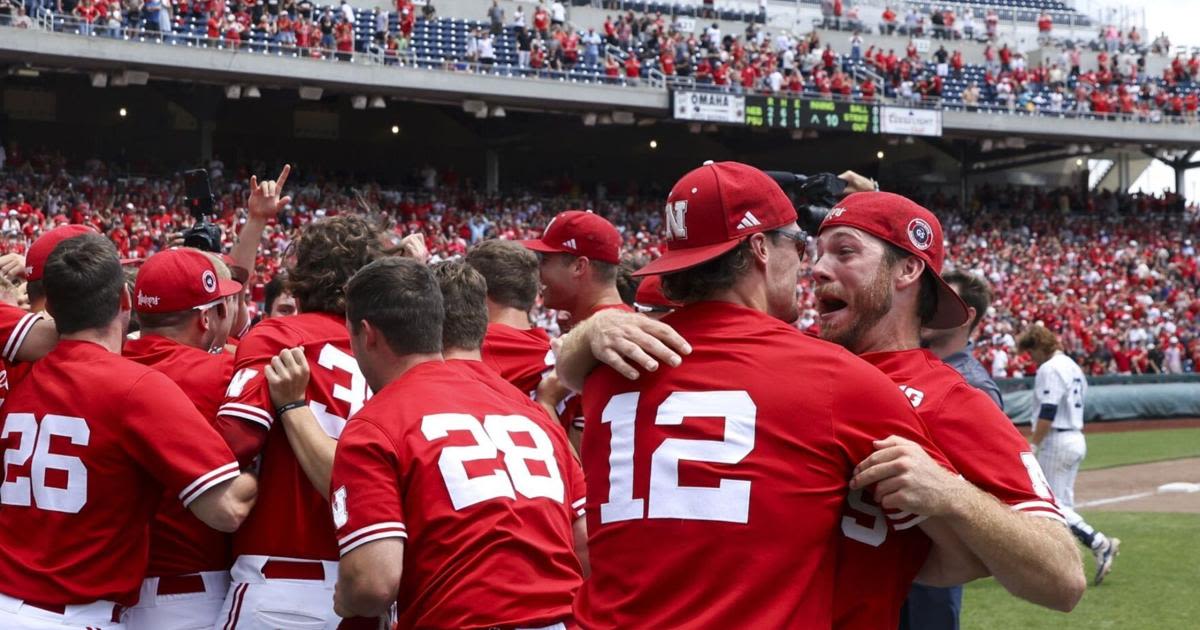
1167	487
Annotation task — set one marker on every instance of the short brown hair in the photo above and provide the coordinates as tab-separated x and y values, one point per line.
84	283
927	299
702	281
463	298
510	271
328	253
400	298
974	290
1037	337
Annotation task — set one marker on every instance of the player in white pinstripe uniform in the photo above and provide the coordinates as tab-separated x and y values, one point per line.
1059	391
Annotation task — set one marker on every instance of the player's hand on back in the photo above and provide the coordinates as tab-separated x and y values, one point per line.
906	478
287	376
413	246
630	343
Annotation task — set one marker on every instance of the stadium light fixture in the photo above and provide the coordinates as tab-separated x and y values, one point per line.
378	103
623	118
252	92
879	155
1078	161
395	129
99	79
498	112
482	113
358	102
122	112
309	93
654	144
233	92
605	119
589	119
135	77
473	106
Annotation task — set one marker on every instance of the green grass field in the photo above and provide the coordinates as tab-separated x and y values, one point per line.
1135	447
1153	584
1156	580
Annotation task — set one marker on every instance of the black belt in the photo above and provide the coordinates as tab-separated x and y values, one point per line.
1064	430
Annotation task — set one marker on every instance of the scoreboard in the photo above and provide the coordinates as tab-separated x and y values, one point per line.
798	113
756	110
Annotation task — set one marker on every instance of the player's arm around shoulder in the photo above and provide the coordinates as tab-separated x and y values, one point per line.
628	342
226	506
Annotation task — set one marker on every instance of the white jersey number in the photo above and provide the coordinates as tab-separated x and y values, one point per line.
35	443
492	437
729	501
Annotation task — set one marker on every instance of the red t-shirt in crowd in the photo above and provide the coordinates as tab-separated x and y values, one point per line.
521	357
483	491
289	518
979	441
91	440
180	543
735	463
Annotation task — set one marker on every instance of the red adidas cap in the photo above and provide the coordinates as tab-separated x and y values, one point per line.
581	234
39	252
905	224
711	209
178	280
650	294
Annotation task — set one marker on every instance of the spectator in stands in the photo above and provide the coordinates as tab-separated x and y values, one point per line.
524	46
344	36
591	47
558	14
888	24
968	23
541	21
496	17
347	12
1045	24
992	22
633	69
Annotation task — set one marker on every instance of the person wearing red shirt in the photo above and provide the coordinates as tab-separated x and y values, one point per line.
633	68
749	77
878	284
889	20
956	62
703	71
285	556
399	489
97	421
612	69
185	309
541	21
344	35
720	74
518	351
868	90
666	61
749	440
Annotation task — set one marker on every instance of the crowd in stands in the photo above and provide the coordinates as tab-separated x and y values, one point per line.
1116	275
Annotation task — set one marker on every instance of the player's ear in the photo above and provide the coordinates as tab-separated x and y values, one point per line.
758	248
908	272
126	299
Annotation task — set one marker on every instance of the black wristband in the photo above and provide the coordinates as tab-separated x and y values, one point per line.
286	407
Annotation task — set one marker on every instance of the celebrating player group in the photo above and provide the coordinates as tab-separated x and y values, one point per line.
408	451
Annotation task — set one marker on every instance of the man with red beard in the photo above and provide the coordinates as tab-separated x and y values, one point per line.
876	275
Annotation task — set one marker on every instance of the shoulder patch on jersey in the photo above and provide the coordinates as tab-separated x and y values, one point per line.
340	514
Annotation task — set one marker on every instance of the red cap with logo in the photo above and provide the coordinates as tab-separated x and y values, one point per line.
579	233
39	252
178	280
713	208
650	294
905	224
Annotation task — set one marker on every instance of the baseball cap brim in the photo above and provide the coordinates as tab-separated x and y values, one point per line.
538	246
681	259
225	288
951	310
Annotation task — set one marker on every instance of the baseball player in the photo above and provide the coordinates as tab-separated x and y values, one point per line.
35	260
1059	392
877	283
88	456
453	506
185	309
517	350
285	556
580	256
737	460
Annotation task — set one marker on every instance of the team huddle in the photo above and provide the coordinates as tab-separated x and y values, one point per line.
410	452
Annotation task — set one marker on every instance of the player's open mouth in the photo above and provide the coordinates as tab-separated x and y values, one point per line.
827	305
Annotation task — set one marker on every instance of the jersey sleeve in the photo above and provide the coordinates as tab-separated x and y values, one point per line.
248	397
365	500
15	324
576	488
1049	387
988	451
172	441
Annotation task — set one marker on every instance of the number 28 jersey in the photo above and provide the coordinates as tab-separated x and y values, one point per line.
291	517
715	488
482	486
90	442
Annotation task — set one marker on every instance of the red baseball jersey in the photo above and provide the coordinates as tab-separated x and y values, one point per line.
15	324
520	356
570	410
483	490
289	518
90	442
715	488
180	543
979	441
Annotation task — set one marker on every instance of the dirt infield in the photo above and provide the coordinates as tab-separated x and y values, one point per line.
1137	488
1141	425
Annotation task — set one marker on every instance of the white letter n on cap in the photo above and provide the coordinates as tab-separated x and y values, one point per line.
676	227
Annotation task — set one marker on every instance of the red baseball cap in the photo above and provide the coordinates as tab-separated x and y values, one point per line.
905	224
713	208
39	252
581	234
650	293
177	280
